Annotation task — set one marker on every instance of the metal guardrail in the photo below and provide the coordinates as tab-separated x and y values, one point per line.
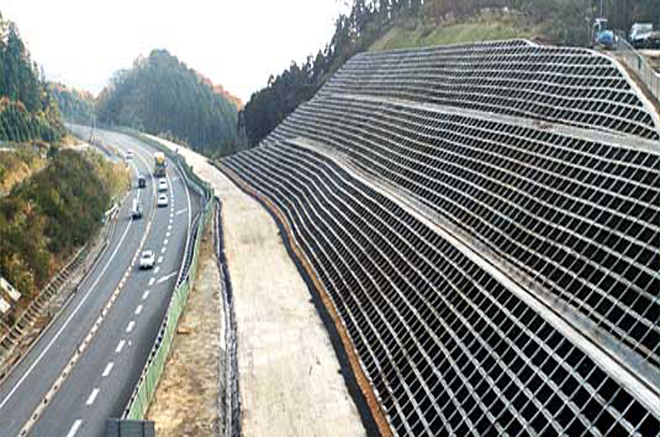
638	63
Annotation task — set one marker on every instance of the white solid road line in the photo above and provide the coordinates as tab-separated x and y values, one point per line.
151	281
92	396
145	295
130	326
108	369
138	310
74	428
120	346
67	321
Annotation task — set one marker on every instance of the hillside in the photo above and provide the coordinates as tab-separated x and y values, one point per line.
75	106
392	24
484	27
27	111
162	96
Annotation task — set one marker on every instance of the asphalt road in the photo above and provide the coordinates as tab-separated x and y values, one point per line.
101	383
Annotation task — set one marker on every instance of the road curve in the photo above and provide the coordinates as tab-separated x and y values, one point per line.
100	384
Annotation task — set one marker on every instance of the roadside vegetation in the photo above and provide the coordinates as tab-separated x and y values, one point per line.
390	24
16	165
47	217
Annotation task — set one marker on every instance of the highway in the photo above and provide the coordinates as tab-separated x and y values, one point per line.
101	382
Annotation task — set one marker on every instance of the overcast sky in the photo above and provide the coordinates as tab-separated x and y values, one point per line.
236	43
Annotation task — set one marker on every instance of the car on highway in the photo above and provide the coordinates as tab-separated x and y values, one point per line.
136	211
142	181
162	184
147	260
162	200
129	155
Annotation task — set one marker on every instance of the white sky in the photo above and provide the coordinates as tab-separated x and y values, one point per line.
236	43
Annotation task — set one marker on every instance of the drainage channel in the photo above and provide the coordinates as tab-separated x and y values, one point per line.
231	401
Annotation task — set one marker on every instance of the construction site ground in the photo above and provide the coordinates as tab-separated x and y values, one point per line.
289	375
186	402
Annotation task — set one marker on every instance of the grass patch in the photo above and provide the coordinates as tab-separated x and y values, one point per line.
484	28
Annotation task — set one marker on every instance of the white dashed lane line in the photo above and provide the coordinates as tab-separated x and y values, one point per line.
107	370
138	310
145	295
160	259
165	242
120	346
156	270
92	396
163	250
74	429
169	227
151	281
130	326
168	235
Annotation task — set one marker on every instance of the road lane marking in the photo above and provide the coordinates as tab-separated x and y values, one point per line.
163	250
165	242
165	278
92	397
74	428
108	369
68	320
151	281
181	211
160	259
156	270
168	235
145	295
169	227
138	310
120	346
130	326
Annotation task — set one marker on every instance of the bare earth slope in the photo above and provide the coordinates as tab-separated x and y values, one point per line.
288	372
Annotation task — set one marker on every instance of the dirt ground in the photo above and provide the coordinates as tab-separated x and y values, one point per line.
186	402
289	377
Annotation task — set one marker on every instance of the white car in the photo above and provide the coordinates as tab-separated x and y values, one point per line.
162	200
162	185
147	260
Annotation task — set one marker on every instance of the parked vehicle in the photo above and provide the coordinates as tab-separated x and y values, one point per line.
602	36
162	185
640	34
147	260
162	200
160	164
137	210
142	181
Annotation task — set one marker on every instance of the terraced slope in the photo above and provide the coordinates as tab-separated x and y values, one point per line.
488	233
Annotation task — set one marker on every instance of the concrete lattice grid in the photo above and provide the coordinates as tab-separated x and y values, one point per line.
567	211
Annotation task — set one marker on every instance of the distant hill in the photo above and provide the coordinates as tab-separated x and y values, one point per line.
27	110
162	96
75	105
219	89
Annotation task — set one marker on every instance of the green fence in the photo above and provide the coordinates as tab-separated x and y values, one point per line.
146	386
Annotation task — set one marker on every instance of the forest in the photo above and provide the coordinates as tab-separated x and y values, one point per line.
562	22
74	105
27	110
162	96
